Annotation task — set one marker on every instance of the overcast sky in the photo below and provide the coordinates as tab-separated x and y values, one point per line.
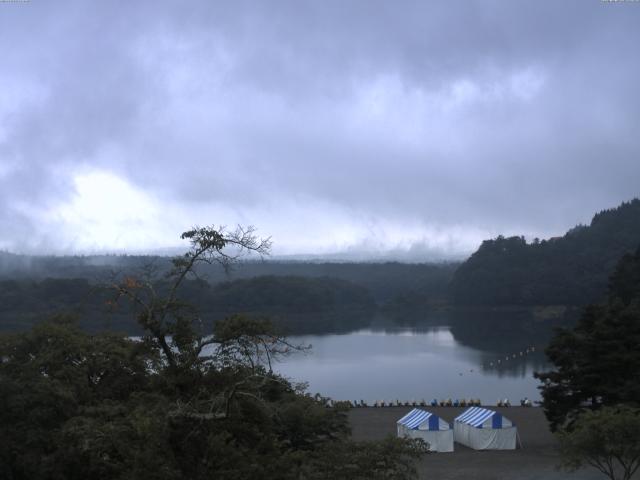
412	129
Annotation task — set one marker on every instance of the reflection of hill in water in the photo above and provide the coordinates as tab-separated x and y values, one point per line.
501	331
512	341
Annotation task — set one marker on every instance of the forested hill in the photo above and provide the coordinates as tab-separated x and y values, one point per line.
300	297
385	281
568	270
294	304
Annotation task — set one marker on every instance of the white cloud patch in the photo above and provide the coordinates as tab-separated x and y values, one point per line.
106	212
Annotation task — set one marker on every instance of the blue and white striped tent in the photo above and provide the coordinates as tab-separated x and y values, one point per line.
429	427
484	429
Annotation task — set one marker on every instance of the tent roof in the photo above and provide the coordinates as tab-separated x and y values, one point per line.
475	416
415	418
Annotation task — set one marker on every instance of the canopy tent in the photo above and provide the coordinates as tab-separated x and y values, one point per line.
483	429
429	427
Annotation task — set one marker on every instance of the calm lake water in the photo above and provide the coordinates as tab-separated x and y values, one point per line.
410	363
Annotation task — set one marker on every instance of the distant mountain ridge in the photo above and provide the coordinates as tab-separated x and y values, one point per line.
384	281
568	270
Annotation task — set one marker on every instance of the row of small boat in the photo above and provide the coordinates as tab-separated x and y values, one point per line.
471	402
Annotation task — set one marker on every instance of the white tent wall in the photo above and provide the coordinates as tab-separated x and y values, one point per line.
483	429
461	433
438	440
485	438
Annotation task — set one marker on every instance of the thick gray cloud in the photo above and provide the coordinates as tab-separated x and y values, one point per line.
364	127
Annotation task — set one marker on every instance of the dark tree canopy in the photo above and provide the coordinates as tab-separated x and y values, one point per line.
598	362
607	439
568	270
179	403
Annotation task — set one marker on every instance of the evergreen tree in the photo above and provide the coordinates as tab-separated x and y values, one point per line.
598	362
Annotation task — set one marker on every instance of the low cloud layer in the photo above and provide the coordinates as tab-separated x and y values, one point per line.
373	128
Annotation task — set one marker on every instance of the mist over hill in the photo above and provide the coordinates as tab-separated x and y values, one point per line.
305	296
384	280
300	297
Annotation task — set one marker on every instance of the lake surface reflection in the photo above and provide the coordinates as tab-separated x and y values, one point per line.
409	363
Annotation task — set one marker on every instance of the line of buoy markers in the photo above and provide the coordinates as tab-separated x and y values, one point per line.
522	353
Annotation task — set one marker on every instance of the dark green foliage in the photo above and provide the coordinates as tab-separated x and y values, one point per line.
177	404
46	295
48	377
607	439
289	294
598	362
571	270
391	459
295	303
383	280
76	406
624	284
